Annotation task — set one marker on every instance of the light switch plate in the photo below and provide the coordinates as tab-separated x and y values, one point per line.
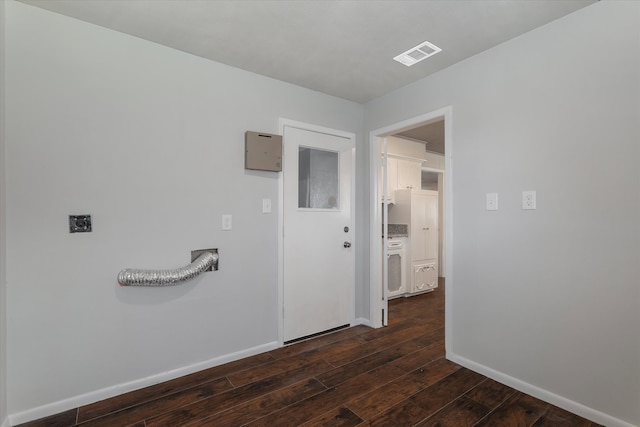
492	201
226	222
528	199
266	205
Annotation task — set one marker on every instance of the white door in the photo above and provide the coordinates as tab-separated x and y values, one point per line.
319	261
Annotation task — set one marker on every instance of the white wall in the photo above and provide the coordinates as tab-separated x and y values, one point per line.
548	300
3	270
149	141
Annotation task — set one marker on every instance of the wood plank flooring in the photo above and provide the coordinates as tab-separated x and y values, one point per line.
393	376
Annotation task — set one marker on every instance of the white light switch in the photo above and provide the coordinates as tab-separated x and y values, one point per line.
492	201
528	200
266	205
226	222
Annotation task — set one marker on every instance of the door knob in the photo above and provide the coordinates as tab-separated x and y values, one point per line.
347	244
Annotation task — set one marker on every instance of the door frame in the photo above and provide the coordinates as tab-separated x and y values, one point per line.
282	123
376	164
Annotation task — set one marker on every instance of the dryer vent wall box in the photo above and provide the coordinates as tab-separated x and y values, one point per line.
262	151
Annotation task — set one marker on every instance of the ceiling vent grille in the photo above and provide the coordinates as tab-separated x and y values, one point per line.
417	54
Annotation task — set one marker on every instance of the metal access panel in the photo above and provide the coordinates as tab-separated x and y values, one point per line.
262	151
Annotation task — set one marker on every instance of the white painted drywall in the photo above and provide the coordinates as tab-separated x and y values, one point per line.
548	298
3	269
150	142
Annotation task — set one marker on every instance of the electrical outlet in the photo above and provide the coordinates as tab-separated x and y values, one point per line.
492	201
528	200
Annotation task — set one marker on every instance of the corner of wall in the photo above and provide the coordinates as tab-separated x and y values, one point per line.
3	316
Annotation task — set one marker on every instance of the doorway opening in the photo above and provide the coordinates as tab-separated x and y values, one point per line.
437	179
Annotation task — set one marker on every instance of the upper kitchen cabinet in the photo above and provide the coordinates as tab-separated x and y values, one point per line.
433	161
409	174
402	174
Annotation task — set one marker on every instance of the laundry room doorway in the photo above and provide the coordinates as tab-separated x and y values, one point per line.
387	203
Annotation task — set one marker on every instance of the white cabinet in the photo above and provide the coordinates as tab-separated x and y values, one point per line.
425	277
409	174
424	225
401	174
397	268
419	209
434	161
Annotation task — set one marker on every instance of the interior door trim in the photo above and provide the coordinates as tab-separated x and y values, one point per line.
376	296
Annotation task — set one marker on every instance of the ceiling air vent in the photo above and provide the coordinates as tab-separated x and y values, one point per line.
417	54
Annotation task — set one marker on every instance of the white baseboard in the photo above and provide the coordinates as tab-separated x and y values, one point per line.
542	394
361	321
5	423
115	390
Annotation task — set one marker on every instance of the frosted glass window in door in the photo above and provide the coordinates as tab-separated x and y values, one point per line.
318	179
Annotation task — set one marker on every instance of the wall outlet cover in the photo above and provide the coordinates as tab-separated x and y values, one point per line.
529	200
492	201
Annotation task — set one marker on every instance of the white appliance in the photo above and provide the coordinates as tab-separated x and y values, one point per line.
396	267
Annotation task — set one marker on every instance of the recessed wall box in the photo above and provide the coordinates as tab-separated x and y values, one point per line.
262	151
79	223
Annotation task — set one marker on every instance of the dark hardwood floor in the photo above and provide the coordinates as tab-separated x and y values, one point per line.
393	376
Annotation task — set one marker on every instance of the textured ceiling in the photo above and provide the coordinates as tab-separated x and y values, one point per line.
341	48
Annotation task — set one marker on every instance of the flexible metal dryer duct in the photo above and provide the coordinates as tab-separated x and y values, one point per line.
137	277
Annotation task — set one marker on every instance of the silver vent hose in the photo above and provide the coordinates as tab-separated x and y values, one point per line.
137	277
